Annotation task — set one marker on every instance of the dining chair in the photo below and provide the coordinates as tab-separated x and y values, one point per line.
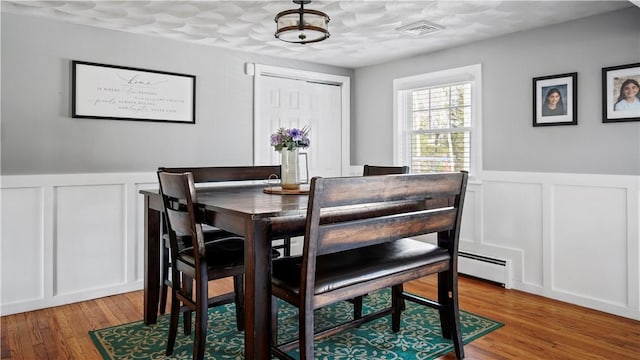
210	234
384	170
215	174
198	263
359	238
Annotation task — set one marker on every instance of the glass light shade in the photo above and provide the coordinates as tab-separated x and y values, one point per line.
315	26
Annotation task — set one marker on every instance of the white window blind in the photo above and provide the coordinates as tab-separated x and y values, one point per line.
440	129
437	120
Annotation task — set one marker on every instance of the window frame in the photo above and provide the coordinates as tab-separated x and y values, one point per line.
402	113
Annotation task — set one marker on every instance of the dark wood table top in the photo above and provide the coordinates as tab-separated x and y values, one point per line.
287	212
251	199
248	199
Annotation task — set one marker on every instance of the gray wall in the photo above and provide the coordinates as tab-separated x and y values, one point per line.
508	65
40	137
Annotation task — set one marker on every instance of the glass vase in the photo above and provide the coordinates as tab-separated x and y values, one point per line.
289	172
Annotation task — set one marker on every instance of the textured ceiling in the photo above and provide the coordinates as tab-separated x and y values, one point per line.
362	31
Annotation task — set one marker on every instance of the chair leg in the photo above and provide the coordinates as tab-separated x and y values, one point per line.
165	265
450	316
357	307
274	321
443	298
287	246
202	307
187	286
305	331
454	313
238	287
165	279
397	305
173	325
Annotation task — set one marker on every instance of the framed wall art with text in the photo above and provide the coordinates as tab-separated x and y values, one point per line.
102	91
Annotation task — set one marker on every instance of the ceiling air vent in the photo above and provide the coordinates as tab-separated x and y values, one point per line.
419	28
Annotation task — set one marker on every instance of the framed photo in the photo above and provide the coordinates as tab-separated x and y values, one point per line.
555	100
621	93
102	91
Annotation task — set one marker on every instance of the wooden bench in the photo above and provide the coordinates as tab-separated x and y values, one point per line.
357	241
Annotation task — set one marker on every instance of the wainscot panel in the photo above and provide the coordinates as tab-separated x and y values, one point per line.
72	237
549	228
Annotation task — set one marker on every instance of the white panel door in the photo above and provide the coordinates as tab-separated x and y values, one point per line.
286	97
326	132
289	103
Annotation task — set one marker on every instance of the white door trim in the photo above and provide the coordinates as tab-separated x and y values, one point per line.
344	82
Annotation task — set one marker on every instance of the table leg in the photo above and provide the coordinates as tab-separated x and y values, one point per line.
151	263
257	334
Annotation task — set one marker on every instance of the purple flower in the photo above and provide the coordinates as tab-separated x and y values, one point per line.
275	139
296	134
290	139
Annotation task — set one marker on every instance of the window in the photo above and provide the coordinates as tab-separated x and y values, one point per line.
437	121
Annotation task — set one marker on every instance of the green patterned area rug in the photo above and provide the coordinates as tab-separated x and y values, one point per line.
419	336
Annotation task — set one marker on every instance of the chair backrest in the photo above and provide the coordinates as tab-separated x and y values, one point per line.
370	170
353	212
178	197
226	173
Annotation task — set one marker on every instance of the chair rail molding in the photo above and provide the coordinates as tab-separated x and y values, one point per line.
82	234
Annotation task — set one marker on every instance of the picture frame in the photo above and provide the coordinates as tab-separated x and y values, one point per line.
101	91
555	100
616	82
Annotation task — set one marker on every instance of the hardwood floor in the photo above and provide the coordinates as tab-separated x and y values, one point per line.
535	327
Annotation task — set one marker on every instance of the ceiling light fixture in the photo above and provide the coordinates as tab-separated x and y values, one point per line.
302	26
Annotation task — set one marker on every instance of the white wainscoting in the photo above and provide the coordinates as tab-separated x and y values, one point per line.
572	237
71	237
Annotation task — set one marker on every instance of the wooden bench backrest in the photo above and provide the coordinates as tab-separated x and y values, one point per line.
362	211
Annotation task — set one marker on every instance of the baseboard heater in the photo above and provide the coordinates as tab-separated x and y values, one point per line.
483	267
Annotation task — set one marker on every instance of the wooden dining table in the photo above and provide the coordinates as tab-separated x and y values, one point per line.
247	211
